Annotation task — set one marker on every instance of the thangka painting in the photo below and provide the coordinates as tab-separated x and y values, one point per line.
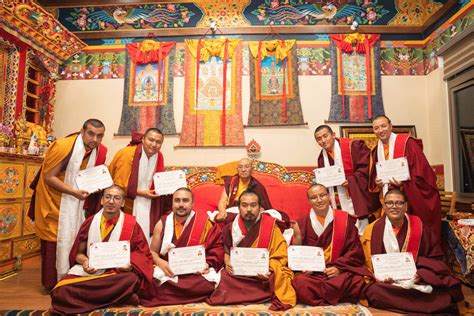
148	95
274	96
212	113
355	70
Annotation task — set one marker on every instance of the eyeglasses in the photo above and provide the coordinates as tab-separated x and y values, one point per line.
115	198
397	204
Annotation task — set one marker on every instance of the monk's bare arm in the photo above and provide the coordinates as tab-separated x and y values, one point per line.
155	247
221	205
155	244
52	180
228	266
82	259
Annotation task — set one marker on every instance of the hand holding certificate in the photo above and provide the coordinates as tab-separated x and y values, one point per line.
169	181
249	261
393	169
107	255
330	176
306	258
396	266
187	260
94	179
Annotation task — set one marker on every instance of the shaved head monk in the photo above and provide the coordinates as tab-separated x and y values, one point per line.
433	289
58	207
86	288
252	228
333	231
132	169
354	156
184	228
421	189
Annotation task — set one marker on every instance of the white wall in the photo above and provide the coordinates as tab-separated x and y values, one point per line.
409	100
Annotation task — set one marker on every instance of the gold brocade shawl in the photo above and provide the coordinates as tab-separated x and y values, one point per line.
269	47
48	199
279	266
213	47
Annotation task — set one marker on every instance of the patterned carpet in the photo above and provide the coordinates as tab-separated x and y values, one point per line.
203	309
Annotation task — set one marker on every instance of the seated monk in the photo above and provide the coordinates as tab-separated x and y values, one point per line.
183	228
256	230
85	288
433	289
336	233
238	184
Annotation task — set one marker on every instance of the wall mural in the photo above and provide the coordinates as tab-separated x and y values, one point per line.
397	58
144	16
239	13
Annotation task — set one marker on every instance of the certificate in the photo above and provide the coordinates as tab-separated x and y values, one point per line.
186	260
398	266
249	261
306	258
111	254
94	179
393	168
169	181
330	176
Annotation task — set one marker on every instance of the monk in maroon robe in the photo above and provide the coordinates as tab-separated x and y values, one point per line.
241	182
354	155
85	288
421	189
126	170
409	234
335	232
183	228
253	229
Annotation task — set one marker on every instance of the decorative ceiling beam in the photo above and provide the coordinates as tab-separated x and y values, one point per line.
38	28
253	30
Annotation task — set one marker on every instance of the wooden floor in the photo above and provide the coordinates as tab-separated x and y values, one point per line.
24	290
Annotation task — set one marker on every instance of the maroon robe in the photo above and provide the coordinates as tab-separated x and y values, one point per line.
430	268
364	202
120	288
421	190
191	288
231	187
316	288
241	289
49	276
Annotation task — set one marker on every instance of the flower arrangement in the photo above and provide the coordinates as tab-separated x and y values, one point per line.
5	135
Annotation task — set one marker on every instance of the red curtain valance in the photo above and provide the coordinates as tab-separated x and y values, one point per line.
149	51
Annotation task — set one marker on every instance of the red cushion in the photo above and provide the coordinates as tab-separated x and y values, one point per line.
288	197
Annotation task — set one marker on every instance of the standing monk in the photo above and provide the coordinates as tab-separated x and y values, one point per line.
354	155
184	228
252	228
421	189
334	231
59	206
433	289
132	169
85	288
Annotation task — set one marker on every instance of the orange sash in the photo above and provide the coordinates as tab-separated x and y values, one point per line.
345	144
414	235
127	228
340	222
399	147
200	221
